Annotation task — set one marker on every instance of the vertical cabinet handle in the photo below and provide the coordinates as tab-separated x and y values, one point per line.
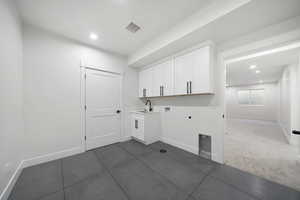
136	124
187	87
160	91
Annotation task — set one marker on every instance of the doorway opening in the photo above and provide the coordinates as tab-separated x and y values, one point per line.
262	110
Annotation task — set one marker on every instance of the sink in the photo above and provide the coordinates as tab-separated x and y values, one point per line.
143	112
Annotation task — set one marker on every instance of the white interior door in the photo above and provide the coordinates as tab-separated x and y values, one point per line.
103	105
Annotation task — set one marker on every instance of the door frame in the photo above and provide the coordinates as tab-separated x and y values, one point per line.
83	69
243	52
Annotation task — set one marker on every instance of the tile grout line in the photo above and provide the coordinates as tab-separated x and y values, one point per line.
161	175
172	155
63	179
198	185
203	172
209	174
83	179
46	195
114	179
236	188
49	194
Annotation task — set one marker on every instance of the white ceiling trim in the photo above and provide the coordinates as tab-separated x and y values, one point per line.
252	84
264	53
192	23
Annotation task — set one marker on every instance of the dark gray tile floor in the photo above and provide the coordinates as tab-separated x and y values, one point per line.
133	171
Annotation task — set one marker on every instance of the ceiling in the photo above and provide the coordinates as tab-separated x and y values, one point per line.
271	67
274	17
75	19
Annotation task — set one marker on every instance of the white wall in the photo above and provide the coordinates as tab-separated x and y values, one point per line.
288	102
11	108
284	112
52	89
266	112
297	103
180	131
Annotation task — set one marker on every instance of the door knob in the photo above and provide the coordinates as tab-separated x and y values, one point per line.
296	132
118	111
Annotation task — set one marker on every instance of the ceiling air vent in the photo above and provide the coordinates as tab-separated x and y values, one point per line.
132	27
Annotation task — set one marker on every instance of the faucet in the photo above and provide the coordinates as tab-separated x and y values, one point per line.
150	105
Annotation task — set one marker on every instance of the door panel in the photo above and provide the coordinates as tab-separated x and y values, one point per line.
145	82
201	71
163	76
195	67
138	127
103	95
167	78
183	69
134	126
157	80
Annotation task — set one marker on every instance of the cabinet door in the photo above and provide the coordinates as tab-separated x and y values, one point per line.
145	83
183	73
163	79
140	128
137	127
192	72
134	126
201	77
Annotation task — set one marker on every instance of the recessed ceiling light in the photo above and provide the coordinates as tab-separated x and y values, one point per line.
257	71
252	67
93	36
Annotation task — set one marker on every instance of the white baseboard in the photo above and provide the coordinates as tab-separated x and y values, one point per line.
183	146
12	181
266	122
35	161
285	133
125	138
52	156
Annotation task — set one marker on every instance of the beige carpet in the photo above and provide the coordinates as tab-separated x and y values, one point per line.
262	149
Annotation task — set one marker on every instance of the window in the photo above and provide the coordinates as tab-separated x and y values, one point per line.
251	97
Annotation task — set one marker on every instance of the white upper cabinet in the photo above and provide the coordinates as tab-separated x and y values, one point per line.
193	72
186	73
145	82
163	79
